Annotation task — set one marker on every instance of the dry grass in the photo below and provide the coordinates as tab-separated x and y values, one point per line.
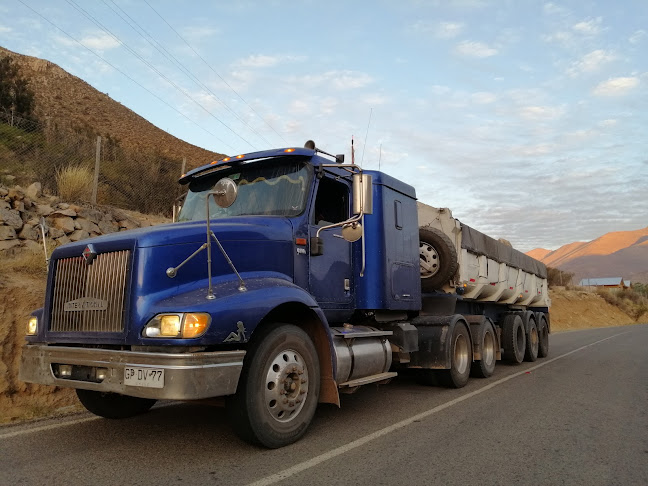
74	183
628	300
28	262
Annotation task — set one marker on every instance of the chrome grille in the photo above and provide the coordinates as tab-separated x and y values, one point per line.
103	282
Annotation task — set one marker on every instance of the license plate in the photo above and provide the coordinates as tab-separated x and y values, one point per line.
146	377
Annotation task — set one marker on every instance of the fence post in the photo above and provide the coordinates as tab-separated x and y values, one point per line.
96	171
184	165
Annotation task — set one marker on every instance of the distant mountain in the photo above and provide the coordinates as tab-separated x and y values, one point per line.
68	102
618	254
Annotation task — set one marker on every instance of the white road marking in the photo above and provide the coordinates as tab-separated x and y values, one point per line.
291	471
42	428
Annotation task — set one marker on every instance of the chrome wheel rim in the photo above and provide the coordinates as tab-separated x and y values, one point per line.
461	354
286	385
429	260
488	351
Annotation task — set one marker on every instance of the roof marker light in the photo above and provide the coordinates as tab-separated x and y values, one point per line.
214	162
226	159
289	150
240	156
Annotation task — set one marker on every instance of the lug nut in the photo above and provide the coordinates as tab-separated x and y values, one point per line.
292	404
299	400
302	391
303	380
282	392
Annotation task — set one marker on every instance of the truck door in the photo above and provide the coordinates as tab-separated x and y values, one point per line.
331	275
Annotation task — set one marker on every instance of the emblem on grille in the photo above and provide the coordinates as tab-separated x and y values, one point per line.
85	304
89	254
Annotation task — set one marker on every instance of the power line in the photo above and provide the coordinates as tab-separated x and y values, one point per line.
214	71
132	23
123	73
153	68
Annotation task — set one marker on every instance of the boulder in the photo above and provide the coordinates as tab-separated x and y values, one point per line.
63	240
11	217
63	206
16	193
28	233
118	215
18	205
88	226
56	233
106	227
79	235
4	204
3	191
64	212
7	233
91	215
44	209
34	191
64	223
128	224
9	244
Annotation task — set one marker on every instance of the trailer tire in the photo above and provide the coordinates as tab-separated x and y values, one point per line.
485	367
438	258
113	405
513	338
532	344
460	359
278	389
543	337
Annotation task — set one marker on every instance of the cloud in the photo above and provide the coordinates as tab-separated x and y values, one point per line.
616	86
637	36
541	112
607	123
475	49
340	80
448	30
198	33
553	9
100	41
5	30
483	98
588	27
590	62
264	61
558	37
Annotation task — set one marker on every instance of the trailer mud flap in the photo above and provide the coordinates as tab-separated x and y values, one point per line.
434	334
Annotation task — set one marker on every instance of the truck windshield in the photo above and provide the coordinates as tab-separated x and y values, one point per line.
279	189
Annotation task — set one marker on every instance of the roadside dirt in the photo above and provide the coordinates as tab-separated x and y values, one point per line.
20	294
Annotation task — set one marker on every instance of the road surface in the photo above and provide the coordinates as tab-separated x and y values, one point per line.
579	416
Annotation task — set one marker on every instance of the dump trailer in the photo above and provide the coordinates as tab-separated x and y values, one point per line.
288	278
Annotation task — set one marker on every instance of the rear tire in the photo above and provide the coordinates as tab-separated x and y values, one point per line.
113	405
485	367
278	390
543	338
460	359
513	338
532	344
438	258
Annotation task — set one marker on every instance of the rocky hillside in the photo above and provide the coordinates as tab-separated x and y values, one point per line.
617	254
70	103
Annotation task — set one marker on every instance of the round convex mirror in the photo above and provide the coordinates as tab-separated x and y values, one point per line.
225	192
352	232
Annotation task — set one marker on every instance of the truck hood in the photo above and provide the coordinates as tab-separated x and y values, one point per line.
244	228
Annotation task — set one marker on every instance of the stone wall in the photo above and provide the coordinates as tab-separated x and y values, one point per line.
23	210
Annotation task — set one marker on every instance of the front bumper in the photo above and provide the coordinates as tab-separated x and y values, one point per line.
187	376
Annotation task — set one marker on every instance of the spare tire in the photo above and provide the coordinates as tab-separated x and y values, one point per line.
438	258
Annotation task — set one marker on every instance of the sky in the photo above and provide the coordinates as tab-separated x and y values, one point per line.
527	119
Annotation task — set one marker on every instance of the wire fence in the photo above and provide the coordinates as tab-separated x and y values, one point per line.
79	166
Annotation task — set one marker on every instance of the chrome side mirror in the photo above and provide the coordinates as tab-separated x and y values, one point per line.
362	194
352	231
225	192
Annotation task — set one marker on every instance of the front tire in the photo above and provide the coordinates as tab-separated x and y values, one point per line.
113	405
278	389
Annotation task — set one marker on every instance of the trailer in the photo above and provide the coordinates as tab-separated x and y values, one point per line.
289	277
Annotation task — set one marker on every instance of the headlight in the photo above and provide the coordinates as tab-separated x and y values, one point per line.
181	326
32	326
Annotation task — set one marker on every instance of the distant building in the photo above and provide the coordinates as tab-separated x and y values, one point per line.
607	282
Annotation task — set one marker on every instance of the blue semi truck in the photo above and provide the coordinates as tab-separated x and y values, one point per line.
287	278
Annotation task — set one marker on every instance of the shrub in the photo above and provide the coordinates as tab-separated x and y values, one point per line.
74	183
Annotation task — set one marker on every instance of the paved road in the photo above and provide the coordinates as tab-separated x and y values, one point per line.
577	417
